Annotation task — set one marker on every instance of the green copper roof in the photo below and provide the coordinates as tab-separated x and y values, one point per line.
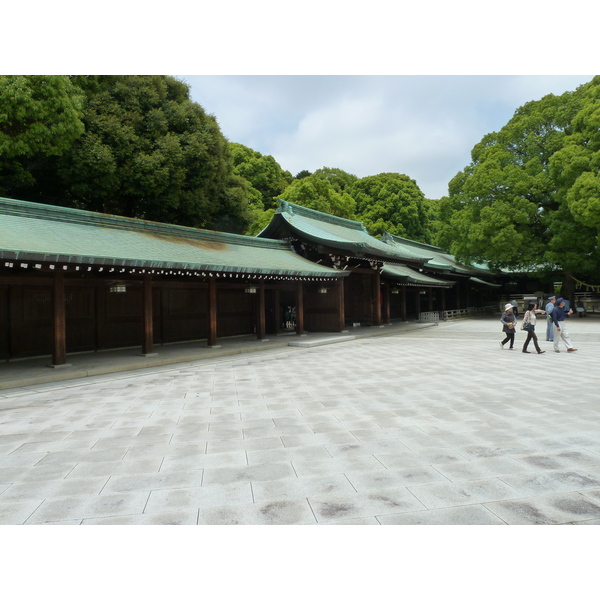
43	233
409	276
485	283
438	259
348	237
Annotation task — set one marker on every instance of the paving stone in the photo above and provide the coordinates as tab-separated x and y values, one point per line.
459	493
42	490
370	482
474	514
16	513
334	484
154	481
180	517
389	501
274	512
546	510
87	507
262	472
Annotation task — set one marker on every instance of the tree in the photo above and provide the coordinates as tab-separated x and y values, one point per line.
531	196
340	180
263	173
391	202
148	151
40	116
319	193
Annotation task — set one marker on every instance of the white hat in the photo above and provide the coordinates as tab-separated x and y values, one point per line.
507	306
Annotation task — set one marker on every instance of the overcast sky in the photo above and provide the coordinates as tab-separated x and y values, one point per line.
422	126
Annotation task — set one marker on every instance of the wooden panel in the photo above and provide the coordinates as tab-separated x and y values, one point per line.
235	314
185	314
31	311
123	318
321	311
81	318
4	330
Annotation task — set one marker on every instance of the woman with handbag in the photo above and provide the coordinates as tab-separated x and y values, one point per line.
509	322
528	325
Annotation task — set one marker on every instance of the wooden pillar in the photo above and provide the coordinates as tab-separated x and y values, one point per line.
300	308
403	304
260	312
376	299
147	324
277	316
339	287
386	304
59	342
212	313
443	304
457	289
430	299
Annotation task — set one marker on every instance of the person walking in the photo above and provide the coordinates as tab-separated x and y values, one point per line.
529	319
509	322
550	325
560	331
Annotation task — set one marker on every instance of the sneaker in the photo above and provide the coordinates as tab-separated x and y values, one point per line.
557	351
571	349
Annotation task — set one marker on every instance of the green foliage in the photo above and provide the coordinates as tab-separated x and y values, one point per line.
147	151
531	195
40	117
39	114
340	180
394	203
320	194
302	174
263	172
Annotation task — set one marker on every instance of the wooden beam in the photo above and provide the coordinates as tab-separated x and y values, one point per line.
59	342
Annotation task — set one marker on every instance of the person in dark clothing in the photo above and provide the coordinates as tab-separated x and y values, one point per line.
560	331
530	317
509	322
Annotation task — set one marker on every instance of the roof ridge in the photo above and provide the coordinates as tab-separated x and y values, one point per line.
297	209
396	238
49	212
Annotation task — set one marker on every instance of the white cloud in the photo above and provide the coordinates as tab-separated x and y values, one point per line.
422	126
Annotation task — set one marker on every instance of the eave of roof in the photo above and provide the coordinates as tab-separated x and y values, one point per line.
348	237
53	234
409	276
439	260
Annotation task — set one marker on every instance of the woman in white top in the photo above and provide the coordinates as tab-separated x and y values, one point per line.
530	317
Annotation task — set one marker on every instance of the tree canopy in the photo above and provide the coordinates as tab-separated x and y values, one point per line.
394	203
319	193
262	172
134	145
530	198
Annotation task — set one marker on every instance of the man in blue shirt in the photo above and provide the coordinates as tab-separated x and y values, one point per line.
560	331
550	325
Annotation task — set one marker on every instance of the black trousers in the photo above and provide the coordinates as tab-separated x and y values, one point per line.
510	337
531	336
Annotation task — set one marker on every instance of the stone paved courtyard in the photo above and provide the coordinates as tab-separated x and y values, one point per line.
432	426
